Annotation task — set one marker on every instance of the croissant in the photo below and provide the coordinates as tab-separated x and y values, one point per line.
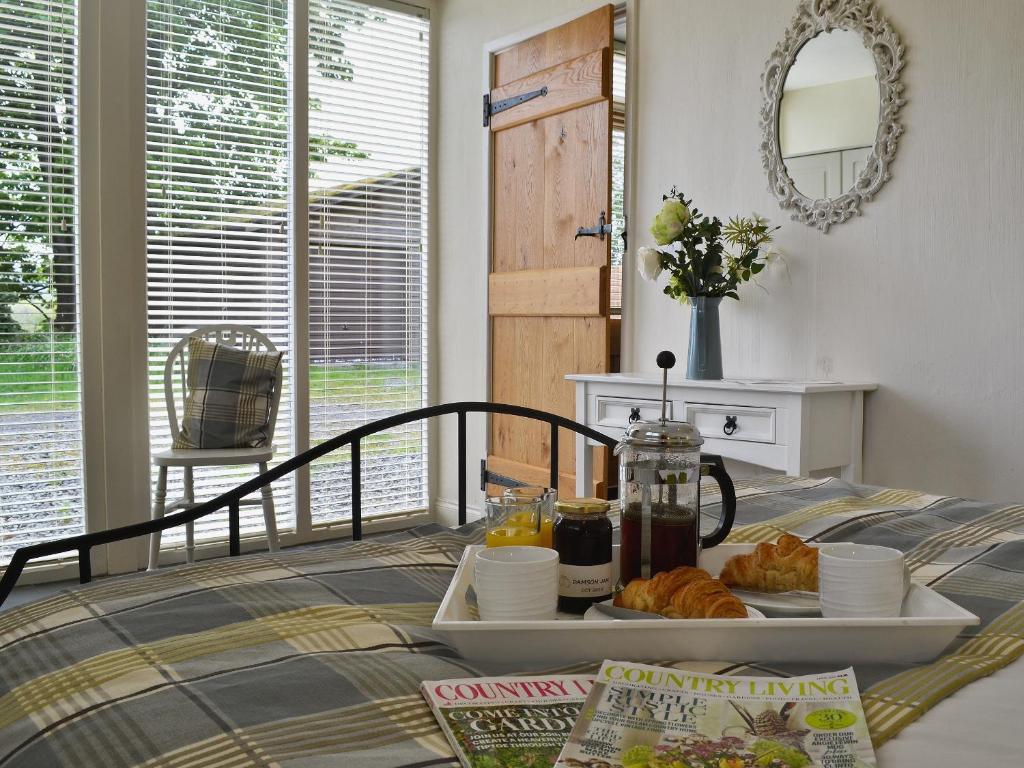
682	593
654	594
705	599
786	565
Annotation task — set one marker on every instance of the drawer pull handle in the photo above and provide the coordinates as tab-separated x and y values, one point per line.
730	425
634	415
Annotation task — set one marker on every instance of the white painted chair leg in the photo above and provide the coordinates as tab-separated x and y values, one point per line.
159	499
190	532
269	518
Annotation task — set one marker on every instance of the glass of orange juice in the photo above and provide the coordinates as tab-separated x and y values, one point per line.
547	498
513	522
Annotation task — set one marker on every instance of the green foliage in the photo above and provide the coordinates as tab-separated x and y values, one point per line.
773	753
229	122
37	104
45	369
515	757
640	755
225	114
692	249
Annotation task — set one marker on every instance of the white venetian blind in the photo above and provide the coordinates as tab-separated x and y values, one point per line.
368	76
41	487
618	176
217	159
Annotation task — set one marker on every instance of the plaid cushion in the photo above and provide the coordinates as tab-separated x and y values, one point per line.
229	397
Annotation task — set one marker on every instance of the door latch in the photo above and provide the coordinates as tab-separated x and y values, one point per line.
603	228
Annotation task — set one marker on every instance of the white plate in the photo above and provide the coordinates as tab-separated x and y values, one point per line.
781	603
929	622
595	614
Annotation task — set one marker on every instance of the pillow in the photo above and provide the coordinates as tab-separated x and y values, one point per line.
229	396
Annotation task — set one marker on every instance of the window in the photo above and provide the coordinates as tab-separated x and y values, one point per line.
618	176
367	251
217	159
219	110
41	486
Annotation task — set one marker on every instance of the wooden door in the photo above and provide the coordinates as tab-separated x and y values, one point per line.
548	289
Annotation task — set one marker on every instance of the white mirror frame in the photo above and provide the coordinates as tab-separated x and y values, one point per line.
812	17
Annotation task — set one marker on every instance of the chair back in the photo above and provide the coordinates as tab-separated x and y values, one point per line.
238	336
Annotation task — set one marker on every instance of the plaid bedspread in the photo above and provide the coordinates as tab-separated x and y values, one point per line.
313	657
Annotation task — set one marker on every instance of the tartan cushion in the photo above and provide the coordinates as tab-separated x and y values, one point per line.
229	396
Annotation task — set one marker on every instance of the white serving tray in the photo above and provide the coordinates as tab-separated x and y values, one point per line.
928	624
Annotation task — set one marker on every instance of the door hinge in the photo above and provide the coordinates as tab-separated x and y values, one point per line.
493	478
493	108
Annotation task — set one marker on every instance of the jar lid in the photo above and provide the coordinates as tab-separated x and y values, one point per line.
582	506
662	434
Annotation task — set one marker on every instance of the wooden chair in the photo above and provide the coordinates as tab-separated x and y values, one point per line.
176	366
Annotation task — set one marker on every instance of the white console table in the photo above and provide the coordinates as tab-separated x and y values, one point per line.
792	426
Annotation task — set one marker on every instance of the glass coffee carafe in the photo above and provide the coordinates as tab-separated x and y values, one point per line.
660	467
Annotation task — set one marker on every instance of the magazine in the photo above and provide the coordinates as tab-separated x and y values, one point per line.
639	716
507	722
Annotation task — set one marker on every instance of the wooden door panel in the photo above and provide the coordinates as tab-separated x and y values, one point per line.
548	290
535	377
573	291
575	83
591	156
568	41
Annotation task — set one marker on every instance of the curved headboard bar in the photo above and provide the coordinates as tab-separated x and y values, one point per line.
83	543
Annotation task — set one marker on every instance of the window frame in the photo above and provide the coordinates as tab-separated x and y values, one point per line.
112	169
298	360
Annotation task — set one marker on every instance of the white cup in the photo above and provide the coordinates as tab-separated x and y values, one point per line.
516	583
861	580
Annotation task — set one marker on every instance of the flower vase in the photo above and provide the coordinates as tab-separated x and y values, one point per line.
704	358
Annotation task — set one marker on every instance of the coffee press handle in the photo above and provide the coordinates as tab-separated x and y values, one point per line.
714	467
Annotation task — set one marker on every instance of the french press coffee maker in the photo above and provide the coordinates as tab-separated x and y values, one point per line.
660	467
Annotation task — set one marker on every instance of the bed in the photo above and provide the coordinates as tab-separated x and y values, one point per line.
313	657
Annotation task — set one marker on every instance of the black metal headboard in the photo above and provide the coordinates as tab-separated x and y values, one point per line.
84	543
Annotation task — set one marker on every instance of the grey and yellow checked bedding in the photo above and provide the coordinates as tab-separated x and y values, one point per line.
313	657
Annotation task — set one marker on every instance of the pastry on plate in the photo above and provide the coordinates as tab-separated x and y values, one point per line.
682	593
781	567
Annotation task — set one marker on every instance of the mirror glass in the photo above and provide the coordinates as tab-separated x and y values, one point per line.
829	114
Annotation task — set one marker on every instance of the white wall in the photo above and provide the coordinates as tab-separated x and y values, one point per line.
822	118
921	294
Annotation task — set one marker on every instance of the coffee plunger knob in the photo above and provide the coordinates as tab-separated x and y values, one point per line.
665	360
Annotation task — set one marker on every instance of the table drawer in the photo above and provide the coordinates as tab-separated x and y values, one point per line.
620	412
732	422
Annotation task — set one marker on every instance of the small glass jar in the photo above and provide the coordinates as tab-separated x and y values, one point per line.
512	522
583	539
546	497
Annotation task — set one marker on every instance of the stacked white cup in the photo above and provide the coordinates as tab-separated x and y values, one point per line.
861	581
516	583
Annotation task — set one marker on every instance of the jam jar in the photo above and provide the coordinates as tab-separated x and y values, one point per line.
583	538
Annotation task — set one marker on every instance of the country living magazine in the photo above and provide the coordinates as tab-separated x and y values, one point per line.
639	716
507	722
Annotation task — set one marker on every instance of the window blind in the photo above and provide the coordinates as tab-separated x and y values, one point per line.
368	82
41	486
217	105
618	177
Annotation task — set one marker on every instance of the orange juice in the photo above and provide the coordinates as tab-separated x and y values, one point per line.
514	536
524	521
547	535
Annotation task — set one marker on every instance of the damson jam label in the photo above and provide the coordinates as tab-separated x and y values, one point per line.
584	580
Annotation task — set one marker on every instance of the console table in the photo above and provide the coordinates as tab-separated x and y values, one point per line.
792	426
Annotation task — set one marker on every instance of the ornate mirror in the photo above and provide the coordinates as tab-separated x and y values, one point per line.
829	121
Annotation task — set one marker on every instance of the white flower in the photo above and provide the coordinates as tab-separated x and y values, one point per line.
648	261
